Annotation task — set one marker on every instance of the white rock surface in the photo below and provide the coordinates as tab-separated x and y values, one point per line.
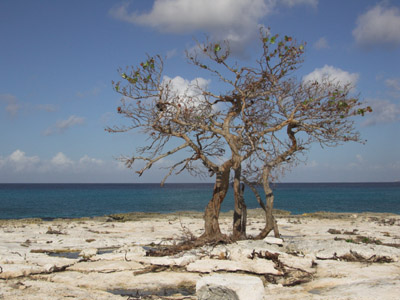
230	287
88	253
169	261
258	266
105	266
273	240
28	272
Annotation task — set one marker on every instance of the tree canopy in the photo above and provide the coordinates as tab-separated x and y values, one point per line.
262	119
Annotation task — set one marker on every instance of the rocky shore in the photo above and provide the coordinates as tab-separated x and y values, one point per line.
320	256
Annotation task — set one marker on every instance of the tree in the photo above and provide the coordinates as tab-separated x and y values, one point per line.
323	118
264	117
165	114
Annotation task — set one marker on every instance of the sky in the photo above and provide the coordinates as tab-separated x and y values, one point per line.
58	58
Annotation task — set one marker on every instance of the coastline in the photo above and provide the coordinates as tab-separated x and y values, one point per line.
252	213
325	256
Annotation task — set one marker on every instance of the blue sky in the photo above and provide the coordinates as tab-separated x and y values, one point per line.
57	60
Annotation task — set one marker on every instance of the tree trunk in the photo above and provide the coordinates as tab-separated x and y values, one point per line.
240	211
270	222
212	231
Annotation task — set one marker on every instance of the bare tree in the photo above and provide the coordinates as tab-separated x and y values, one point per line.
264	116
155	107
318	112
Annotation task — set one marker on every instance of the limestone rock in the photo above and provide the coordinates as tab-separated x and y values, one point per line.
230	287
243	249
17	270
105	266
88	253
258	266
169	260
273	240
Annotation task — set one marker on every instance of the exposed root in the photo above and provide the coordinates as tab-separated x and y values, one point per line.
159	268
189	244
291	276
353	256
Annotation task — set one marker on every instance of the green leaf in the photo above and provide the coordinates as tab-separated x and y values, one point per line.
124	76
117	87
265	40
288	38
301	47
273	40
217	48
132	80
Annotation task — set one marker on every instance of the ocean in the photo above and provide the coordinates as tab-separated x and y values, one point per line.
50	201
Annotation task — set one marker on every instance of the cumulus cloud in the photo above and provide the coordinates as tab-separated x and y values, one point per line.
188	92
184	87
61	160
322	43
86	160
232	20
179	16
378	26
337	75
63	125
383	112
20	161
235	21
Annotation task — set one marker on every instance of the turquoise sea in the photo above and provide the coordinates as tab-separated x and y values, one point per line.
82	200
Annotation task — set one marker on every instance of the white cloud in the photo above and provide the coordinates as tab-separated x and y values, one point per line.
19	161
18	164
184	87
63	125
378	26
236	21
337	75
86	160
188	15
61	160
322	43
383	112
187	92
291	3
